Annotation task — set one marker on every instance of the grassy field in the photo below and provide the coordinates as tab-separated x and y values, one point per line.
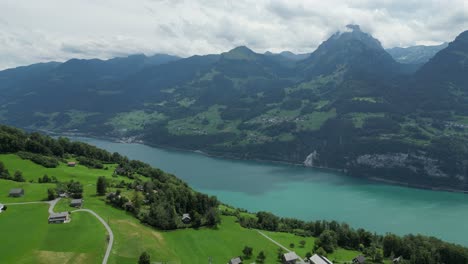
68	242
28	238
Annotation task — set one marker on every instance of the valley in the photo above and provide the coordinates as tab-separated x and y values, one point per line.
350	102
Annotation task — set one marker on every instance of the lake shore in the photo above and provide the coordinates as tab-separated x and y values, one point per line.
232	156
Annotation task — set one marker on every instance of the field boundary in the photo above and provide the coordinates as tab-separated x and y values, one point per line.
272	240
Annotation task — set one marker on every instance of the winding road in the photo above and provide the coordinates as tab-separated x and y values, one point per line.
109	230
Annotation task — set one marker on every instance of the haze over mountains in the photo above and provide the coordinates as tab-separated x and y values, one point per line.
348	105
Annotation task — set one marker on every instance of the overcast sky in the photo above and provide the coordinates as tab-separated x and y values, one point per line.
44	30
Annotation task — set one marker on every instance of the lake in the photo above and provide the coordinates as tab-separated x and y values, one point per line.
311	194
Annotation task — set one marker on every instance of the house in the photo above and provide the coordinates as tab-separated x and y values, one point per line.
359	260
59	218
76	203
237	260
186	218
2	208
317	259
290	258
71	164
17	192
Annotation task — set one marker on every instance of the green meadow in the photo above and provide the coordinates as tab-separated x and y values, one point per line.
26	237
84	239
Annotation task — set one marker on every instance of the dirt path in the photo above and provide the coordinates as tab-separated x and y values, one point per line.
109	230
269	238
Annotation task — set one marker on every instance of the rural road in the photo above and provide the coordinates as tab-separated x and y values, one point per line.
24	203
269	238
109	230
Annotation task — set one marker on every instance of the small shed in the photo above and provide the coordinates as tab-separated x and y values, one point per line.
59	218
71	164
17	192
2	208
186	218
359	260
237	260
76	203
290	258
317	259
397	260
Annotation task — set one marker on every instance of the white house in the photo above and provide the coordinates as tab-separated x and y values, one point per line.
317	259
1	207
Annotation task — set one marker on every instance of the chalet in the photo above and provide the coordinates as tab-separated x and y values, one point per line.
17	192
76	203
359	260
290	258
129	206
186	218
237	260
71	164
317	259
59	218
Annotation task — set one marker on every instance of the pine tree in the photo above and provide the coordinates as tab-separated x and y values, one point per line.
101	185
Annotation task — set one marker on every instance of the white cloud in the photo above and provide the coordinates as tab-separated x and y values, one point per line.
33	31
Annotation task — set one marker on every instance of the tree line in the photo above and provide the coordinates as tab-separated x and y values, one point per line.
414	249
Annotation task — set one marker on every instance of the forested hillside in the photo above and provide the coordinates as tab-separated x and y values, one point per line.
349	106
159	199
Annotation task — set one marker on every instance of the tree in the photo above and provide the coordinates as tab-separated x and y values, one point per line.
75	189
291	245
51	194
144	258
247	251
280	254
18	176
45	178
320	251
302	243
212	217
196	220
308	255
137	200
101	185
327	240
4	174
261	257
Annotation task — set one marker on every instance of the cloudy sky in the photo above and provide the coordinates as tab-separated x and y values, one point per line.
34	31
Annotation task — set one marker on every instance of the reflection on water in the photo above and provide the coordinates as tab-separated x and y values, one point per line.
311	194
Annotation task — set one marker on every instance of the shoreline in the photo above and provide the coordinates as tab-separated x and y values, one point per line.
231	156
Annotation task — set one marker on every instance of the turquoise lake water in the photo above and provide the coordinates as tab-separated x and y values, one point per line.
311	194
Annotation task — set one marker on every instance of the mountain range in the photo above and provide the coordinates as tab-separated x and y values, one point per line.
349	105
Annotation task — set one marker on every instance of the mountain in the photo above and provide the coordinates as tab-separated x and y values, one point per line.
349	105
289	55
416	54
352	51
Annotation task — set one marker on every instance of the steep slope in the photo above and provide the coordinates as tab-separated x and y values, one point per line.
416	54
349	105
358	52
442	83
